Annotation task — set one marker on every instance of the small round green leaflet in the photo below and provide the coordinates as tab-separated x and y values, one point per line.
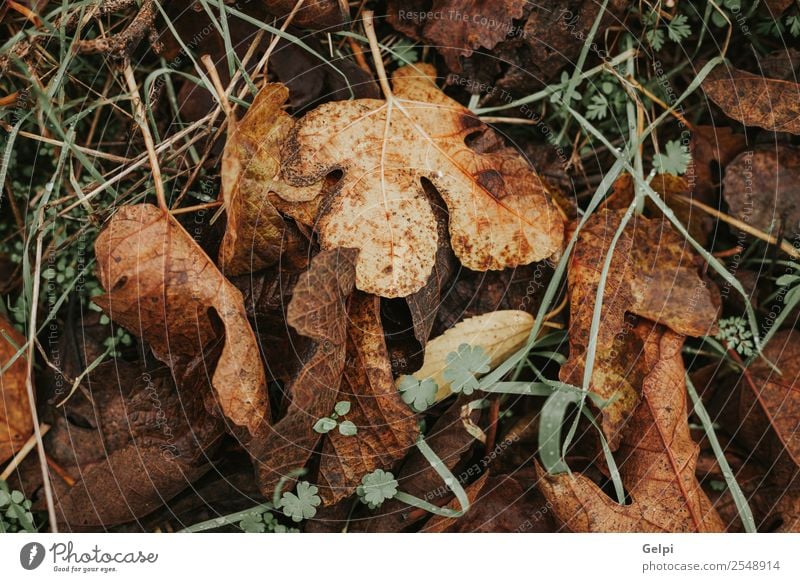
380	485
347	428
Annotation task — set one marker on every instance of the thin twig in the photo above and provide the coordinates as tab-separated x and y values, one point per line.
784	245
141	120
22	453
48	490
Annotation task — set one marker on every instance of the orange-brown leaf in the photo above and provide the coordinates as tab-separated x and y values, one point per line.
500	211
387	428
653	274
756	100
162	287
657	458
16	424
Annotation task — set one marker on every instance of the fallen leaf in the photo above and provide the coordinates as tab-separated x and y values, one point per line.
317	310
156	440
162	287
459	27
712	149
760	187
768	422
16	424
250	171
500	211
387	428
529	42
755	100
653	274
425	303
656	459
499	334
311	80
500	504
314	14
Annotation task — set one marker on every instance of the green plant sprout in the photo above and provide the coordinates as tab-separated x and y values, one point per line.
380	486
327	423
15	511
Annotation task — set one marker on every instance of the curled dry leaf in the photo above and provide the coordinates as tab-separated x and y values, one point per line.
314	14
250	171
500	211
653	274
656	459
162	287
756	100
16	424
760	187
148	454
317	310
769	408
499	334
387	428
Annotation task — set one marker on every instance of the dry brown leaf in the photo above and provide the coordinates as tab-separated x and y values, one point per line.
769	408
148	453
760	187
163	288
500	211
387	428
459	28
16	424
499	334
250	171
314	14
712	148
653	274
499	504
755	100
657	459
318	310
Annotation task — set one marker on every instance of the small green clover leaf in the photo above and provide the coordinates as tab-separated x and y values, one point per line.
342	408
254	523
463	365
327	423
303	504
675	161
347	428
377	487
324	425
418	395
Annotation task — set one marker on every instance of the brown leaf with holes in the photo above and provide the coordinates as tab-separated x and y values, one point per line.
250	171
755	100
500	211
162	287
318	310
769	408
653	274
656	458
387	427
16	424
760	187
